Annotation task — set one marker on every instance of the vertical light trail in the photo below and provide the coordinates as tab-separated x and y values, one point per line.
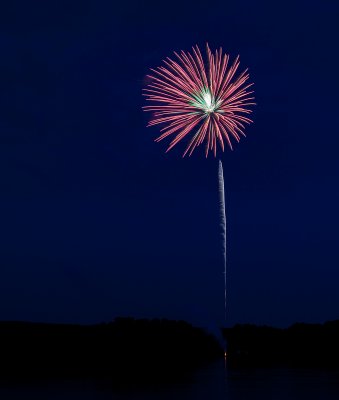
222	214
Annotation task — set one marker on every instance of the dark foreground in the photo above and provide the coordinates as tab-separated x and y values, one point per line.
128	352
214	382
301	345
123	351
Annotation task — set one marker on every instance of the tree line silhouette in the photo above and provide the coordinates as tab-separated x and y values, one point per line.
300	345
123	350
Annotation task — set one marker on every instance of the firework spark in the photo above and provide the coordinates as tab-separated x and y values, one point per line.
202	102
206	102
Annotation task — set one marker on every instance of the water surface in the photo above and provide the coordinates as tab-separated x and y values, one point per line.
213	383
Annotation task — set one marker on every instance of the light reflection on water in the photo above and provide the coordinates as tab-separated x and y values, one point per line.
213	383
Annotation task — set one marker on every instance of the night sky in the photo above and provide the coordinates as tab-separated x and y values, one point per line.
98	222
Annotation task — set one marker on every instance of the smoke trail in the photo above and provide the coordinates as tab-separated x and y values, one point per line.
222	213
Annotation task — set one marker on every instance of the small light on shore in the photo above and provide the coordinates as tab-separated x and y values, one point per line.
225	354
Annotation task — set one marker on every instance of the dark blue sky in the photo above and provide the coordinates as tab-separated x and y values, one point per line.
96	221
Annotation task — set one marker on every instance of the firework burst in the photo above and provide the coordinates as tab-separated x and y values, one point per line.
206	102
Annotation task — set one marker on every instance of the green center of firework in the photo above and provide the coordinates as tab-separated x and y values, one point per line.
205	101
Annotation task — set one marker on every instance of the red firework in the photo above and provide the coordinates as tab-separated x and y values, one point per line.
206	100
